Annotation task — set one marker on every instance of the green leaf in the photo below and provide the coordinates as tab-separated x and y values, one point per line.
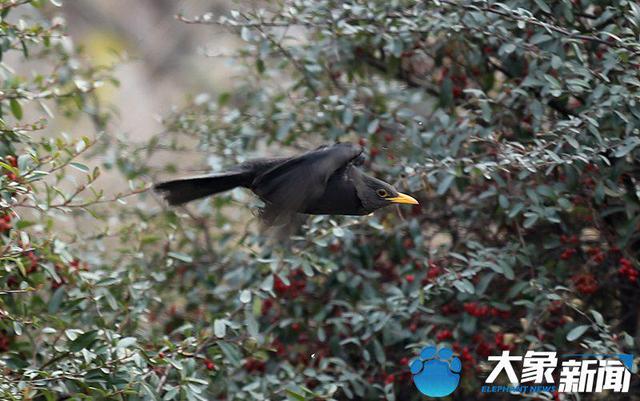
126	342
565	203
56	300
291	394
83	341
543	6
260	66
515	210
180	256
628	146
464	286
219	328
446	92
245	296
16	109
231	352
445	184
80	166
508	48
223	99
373	126
530	220
577	332
503	201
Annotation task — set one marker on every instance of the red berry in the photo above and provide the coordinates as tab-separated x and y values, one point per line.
484	349
209	364
448	309
335	247
465	355
434	271
410	278
280	286
266	306
254	365
567	253
4	343
390	379
443	335
598	258
12	160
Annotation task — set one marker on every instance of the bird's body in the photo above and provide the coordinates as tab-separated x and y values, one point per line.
326	180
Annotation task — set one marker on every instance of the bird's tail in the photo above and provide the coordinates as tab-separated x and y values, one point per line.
184	190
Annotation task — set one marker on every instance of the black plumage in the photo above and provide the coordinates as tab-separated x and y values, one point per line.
326	180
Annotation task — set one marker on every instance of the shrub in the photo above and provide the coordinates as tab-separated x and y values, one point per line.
515	124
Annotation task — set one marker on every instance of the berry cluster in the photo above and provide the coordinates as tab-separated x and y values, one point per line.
449	309
596	254
627	270
483	348
444	334
297	284
585	283
465	353
5	223
33	261
568	253
11	160
569	239
502	344
434	271
254	365
478	310
475	309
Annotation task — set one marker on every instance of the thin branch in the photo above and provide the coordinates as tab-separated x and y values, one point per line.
13	4
515	16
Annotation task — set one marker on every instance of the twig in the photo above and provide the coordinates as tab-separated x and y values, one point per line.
515	16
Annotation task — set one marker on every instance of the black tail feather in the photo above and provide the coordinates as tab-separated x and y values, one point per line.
184	190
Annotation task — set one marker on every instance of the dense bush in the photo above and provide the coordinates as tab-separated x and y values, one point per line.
515	124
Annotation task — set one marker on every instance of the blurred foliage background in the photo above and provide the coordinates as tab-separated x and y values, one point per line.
514	123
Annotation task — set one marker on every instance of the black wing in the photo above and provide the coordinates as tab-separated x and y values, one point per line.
293	184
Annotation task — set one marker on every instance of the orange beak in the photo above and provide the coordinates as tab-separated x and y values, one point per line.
403	198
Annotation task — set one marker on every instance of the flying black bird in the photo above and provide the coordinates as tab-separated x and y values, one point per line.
326	180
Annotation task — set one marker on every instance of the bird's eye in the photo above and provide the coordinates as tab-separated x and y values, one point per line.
382	193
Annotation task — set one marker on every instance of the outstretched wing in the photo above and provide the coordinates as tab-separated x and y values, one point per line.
294	183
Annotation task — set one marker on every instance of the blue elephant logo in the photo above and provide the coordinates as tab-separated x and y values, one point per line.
436	373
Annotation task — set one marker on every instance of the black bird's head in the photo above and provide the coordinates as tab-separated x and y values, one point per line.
375	194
